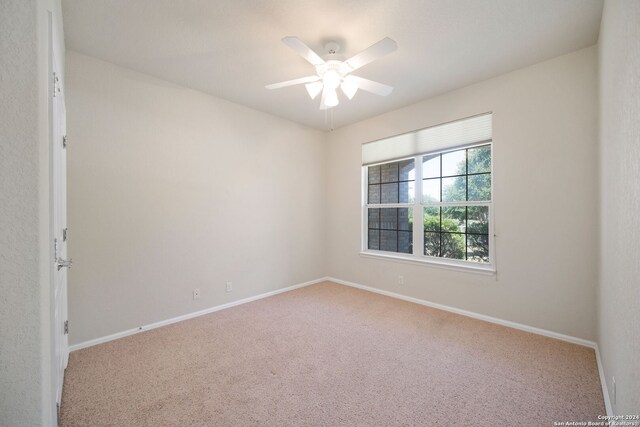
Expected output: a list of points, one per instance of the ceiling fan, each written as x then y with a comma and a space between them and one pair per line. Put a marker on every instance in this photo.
333, 73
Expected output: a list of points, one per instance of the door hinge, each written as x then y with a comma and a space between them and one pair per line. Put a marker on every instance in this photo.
64, 141
66, 327
58, 261
64, 235
56, 84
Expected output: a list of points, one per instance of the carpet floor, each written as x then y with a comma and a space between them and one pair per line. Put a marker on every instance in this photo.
331, 355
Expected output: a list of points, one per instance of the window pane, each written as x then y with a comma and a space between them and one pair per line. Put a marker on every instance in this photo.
389, 219
394, 182
454, 189
405, 219
389, 172
374, 218
454, 163
374, 194
389, 193
478, 219
407, 192
406, 170
389, 240
374, 241
478, 248
432, 219
447, 232
454, 219
373, 173
431, 190
431, 166
432, 244
453, 245
390, 229
480, 187
480, 159
405, 242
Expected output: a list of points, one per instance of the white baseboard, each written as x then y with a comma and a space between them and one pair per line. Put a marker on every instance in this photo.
155, 325
603, 383
471, 314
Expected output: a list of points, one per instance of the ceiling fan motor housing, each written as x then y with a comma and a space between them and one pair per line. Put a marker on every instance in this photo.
332, 65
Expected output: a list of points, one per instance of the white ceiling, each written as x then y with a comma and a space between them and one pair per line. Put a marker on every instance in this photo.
232, 48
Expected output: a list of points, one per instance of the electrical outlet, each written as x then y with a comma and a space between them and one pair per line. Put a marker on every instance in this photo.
229, 287
196, 293
613, 386
400, 280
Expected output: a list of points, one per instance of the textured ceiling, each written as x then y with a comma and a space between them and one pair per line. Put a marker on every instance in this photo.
232, 48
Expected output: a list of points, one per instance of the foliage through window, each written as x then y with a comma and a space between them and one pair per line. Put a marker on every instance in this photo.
454, 204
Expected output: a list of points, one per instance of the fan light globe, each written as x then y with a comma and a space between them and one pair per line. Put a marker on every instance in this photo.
313, 89
331, 79
349, 87
331, 98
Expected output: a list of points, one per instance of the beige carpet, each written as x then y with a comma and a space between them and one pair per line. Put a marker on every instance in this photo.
330, 355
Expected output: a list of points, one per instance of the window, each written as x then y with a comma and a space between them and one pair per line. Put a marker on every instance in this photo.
449, 189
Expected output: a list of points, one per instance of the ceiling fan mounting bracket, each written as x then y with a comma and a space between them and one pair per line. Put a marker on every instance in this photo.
332, 48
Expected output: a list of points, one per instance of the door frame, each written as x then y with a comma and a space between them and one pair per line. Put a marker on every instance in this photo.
59, 348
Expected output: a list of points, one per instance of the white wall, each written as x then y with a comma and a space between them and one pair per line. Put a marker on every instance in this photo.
546, 192
26, 395
619, 297
20, 334
171, 189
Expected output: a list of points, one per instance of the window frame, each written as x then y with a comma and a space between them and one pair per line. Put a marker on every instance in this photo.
418, 207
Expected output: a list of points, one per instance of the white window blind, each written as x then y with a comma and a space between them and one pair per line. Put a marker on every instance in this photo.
471, 130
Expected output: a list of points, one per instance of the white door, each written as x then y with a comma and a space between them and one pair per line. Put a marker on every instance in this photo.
59, 228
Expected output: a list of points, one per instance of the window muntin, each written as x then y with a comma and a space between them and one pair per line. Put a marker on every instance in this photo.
454, 200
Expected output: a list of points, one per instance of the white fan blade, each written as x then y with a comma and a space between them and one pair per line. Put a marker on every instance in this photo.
371, 86
309, 79
303, 50
370, 54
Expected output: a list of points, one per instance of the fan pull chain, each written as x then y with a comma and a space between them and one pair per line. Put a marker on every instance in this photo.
332, 120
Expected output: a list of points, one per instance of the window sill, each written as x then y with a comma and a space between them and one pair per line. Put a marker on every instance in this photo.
409, 259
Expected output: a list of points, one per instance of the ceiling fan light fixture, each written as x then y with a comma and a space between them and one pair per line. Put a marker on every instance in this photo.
349, 87
333, 73
331, 79
314, 89
331, 98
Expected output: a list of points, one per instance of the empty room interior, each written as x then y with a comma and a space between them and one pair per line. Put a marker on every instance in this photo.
319, 213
